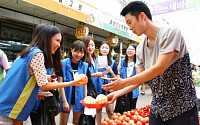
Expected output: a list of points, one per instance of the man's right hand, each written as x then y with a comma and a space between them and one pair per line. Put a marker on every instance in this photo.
113, 96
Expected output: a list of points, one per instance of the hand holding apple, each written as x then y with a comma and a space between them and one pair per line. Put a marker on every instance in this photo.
81, 79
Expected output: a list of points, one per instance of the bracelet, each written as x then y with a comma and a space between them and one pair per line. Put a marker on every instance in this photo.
112, 73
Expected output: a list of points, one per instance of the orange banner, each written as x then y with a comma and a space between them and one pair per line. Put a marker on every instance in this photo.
60, 8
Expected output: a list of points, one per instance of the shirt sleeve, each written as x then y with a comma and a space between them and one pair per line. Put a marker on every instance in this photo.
4, 62
171, 40
38, 67
140, 55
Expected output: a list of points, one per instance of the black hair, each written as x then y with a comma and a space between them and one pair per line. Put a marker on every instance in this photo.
125, 64
42, 39
86, 41
135, 8
109, 54
77, 45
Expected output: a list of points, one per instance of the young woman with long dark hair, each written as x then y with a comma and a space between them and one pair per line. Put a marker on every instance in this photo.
105, 50
93, 66
71, 96
19, 88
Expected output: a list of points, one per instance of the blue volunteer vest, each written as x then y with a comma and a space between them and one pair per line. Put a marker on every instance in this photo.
93, 69
18, 91
123, 76
67, 77
101, 81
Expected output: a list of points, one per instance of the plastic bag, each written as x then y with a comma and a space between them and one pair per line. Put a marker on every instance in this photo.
46, 117
122, 104
91, 90
86, 120
104, 91
53, 103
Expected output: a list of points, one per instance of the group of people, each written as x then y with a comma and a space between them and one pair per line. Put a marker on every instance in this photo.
44, 53
161, 59
82, 60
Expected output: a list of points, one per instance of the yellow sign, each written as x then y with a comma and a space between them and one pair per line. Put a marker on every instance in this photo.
81, 31
112, 40
61, 9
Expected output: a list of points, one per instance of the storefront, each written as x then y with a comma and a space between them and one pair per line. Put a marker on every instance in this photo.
19, 18
14, 38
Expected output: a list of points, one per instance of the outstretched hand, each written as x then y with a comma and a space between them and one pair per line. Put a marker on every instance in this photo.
80, 80
109, 69
117, 84
101, 74
112, 97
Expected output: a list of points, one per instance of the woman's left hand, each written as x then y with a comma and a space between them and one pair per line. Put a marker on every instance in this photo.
49, 78
101, 74
109, 69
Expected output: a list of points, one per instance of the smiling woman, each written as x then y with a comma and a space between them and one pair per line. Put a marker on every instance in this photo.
55, 41
73, 67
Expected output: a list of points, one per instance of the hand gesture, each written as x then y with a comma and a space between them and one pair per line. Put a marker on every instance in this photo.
117, 84
65, 106
109, 69
112, 97
80, 80
49, 78
101, 74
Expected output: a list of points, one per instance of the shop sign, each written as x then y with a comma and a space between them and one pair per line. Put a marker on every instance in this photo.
113, 25
118, 25
112, 40
76, 9
81, 31
173, 5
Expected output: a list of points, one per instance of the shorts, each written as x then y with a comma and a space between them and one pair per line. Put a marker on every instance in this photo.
4, 120
187, 118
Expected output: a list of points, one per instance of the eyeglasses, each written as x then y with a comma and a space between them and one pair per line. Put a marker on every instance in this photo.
130, 49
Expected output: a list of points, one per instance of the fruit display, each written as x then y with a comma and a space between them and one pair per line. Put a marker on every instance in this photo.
99, 102
133, 117
101, 98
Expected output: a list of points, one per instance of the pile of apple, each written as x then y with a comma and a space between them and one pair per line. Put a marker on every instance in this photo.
133, 117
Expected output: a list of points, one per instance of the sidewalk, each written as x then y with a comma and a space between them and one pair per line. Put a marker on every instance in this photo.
142, 101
